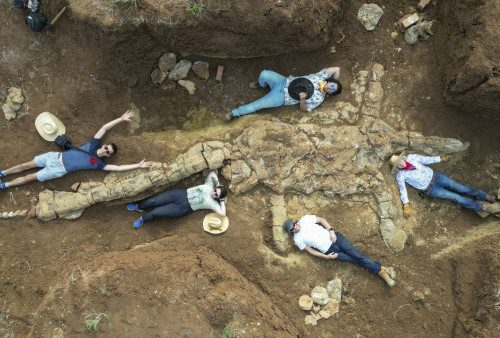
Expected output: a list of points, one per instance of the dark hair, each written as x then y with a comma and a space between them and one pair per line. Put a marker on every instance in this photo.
223, 192
339, 87
114, 147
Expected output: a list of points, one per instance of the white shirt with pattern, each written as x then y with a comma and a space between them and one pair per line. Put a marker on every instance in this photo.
312, 234
199, 197
419, 178
317, 98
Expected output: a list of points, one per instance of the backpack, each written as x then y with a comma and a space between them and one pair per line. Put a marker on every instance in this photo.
63, 141
20, 4
36, 21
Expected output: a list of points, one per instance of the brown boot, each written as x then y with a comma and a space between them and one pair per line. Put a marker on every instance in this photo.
391, 272
492, 208
491, 198
385, 276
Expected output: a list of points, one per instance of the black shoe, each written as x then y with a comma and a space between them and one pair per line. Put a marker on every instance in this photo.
228, 116
254, 85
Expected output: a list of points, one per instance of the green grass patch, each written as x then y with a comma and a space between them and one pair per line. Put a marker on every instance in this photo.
228, 331
93, 319
196, 8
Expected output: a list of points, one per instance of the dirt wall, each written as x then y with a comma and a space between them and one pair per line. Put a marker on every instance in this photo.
470, 55
224, 28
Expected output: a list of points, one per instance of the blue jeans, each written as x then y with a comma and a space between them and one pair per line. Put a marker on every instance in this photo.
172, 203
275, 98
349, 253
445, 188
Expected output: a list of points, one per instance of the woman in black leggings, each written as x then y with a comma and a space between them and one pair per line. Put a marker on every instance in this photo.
181, 202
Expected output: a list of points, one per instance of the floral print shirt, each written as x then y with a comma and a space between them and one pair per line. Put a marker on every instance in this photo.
317, 98
199, 197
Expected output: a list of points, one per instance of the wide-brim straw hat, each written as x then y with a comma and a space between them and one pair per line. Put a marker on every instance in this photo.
215, 224
395, 160
49, 126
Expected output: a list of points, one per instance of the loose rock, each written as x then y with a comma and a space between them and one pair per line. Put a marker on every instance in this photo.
305, 302
189, 85
220, 71
418, 297
158, 76
167, 62
319, 295
411, 34
200, 68
13, 103
407, 21
369, 15
181, 70
309, 320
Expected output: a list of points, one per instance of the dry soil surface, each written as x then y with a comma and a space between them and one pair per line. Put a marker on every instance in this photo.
172, 279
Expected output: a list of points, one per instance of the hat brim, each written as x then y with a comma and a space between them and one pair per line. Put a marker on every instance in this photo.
289, 231
214, 231
300, 85
394, 166
59, 125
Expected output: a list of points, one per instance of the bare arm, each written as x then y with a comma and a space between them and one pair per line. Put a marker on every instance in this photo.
125, 117
316, 253
303, 106
334, 72
222, 211
212, 177
125, 167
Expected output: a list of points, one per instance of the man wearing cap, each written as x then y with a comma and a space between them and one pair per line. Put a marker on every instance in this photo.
57, 164
309, 91
413, 169
314, 235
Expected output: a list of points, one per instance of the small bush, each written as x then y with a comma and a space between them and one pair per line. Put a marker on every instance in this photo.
195, 8
228, 330
93, 319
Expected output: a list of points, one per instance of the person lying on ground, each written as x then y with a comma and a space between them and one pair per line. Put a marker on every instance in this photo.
57, 164
176, 203
413, 169
316, 236
309, 91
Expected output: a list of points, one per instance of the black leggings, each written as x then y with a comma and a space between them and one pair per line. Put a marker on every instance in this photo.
172, 203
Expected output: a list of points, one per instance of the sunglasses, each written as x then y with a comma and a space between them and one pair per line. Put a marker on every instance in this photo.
106, 149
216, 193
332, 89
293, 227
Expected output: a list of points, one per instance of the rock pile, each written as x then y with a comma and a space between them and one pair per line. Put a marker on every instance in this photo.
13, 103
323, 302
414, 28
178, 71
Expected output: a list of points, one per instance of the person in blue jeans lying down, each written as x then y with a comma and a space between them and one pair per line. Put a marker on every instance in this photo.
316, 236
176, 203
413, 169
315, 87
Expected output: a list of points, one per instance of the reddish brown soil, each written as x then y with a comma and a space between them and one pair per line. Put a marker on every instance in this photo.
187, 282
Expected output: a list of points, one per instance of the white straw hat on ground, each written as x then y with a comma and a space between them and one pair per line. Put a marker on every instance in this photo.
395, 160
49, 126
215, 224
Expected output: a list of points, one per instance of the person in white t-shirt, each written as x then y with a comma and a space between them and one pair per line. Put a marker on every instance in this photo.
314, 235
